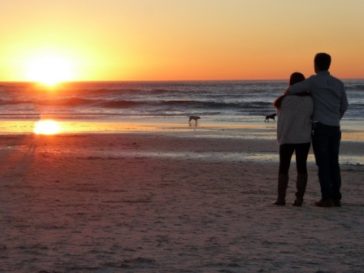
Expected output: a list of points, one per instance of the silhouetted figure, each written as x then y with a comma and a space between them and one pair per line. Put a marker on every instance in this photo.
293, 135
193, 118
330, 104
271, 116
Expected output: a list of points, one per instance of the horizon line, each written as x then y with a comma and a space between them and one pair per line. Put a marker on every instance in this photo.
151, 81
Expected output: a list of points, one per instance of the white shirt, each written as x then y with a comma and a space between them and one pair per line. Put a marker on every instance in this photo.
294, 120
328, 94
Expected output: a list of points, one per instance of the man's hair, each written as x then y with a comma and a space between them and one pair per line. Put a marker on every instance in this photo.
322, 61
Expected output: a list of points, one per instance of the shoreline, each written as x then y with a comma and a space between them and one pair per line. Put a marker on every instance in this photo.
178, 146
352, 130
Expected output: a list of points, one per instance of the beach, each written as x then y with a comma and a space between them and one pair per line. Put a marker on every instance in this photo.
168, 202
141, 136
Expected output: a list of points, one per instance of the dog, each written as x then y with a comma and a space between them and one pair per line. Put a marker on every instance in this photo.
271, 116
195, 118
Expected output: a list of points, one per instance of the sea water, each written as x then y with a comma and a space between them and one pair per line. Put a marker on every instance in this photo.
115, 106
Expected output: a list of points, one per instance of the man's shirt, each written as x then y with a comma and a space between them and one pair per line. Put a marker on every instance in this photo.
328, 94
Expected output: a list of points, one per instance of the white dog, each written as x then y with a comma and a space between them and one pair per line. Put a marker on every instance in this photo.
195, 118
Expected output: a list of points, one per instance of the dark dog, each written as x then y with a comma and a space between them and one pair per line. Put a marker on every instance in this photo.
195, 118
271, 116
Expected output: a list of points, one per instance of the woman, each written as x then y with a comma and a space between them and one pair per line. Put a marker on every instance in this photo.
293, 135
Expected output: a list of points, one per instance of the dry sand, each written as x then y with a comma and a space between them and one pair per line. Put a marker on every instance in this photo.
154, 203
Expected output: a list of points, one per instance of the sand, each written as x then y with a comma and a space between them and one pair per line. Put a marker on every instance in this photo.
168, 203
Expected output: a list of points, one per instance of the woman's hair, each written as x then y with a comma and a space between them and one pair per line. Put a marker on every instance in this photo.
294, 78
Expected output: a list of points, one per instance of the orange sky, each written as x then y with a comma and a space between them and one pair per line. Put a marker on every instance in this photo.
182, 40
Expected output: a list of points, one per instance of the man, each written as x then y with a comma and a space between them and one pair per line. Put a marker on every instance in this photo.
330, 104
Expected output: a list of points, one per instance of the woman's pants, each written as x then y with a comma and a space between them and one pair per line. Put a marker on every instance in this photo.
285, 155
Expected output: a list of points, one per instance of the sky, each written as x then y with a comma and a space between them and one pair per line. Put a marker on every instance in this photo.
180, 39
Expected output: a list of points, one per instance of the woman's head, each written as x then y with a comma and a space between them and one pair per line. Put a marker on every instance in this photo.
296, 77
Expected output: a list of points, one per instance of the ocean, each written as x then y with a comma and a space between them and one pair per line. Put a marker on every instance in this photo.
222, 103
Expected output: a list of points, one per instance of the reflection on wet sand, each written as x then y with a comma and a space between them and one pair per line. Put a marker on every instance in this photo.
351, 131
47, 127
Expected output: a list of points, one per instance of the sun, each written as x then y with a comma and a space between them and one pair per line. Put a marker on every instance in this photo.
46, 127
49, 69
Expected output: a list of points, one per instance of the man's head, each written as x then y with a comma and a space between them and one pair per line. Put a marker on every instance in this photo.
322, 62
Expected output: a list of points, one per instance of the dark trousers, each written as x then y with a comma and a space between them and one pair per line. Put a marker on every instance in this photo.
326, 145
285, 155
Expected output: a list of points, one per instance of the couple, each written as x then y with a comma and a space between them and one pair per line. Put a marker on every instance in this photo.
311, 109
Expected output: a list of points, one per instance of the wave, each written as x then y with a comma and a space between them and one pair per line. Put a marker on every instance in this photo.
161, 91
120, 104
185, 104
68, 102
117, 103
355, 87
51, 102
12, 102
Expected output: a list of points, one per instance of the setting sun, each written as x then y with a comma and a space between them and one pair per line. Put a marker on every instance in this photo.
49, 69
46, 127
